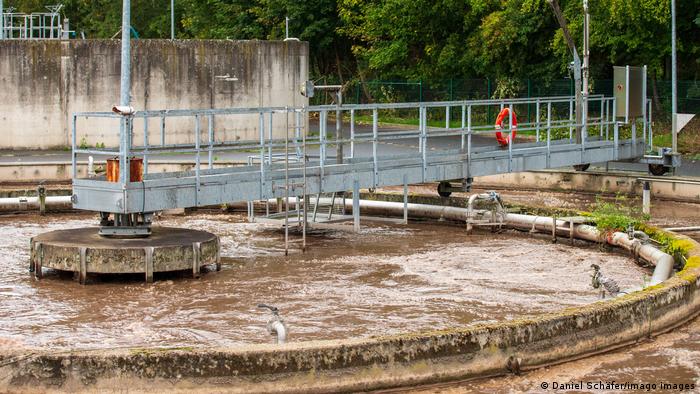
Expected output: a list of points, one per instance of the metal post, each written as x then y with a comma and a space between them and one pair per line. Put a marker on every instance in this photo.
269, 147
305, 197
424, 142
586, 51
420, 128
608, 104
627, 95
616, 131
125, 86
262, 157
91, 166
2, 21
469, 141
145, 145
537, 120
584, 129
297, 132
674, 80
286, 27
447, 117
339, 128
646, 198
375, 137
571, 119
464, 125
644, 107
74, 143
172, 19
352, 133
162, 130
356, 205
197, 132
125, 90
286, 183
602, 117
549, 133
405, 199
322, 140
510, 138
210, 157
651, 128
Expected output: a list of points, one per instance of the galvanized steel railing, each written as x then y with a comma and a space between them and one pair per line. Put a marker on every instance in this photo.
262, 152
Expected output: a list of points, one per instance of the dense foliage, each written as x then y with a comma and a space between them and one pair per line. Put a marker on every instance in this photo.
412, 39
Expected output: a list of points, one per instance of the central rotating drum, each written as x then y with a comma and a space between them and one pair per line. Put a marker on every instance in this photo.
85, 252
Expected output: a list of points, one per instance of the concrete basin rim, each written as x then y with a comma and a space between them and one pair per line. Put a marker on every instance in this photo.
677, 281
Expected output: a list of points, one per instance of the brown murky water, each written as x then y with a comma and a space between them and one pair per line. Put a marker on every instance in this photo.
388, 279
672, 358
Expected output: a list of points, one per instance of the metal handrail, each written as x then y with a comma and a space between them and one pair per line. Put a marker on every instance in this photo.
266, 146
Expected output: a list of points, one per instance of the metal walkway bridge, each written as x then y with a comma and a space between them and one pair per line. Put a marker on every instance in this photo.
447, 141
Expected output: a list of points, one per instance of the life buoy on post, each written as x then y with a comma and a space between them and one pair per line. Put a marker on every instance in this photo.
503, 115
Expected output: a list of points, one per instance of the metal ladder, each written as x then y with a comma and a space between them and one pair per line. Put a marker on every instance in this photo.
322, 210
300, 204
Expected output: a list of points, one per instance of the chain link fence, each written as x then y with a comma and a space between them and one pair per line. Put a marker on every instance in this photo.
357, 92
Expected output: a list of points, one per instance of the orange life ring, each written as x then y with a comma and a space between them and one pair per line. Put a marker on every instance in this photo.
504, 141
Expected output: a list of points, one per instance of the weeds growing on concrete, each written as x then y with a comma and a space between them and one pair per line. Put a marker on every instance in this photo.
617, 215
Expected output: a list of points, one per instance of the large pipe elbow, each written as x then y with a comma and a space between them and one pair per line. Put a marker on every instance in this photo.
278, 329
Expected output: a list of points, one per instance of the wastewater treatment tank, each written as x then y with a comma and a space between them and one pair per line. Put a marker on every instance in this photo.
388, 279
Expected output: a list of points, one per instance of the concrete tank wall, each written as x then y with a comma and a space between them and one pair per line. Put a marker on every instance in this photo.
42, 83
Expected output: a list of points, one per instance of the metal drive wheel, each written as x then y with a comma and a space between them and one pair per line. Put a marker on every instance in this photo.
443, 189
657, 169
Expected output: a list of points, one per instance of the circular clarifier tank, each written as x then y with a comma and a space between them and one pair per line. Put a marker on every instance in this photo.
388, 279
85, 252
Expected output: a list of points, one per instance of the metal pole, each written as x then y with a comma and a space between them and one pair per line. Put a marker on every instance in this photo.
549, 133
586, 51
126, 54
304, 196
2, 21
464, 127
339, 128
286, 27
674, 81
172, 19
286, 185
646, 198
405, 199
352, 133
510, 138
125, 87
375, 137
356, 205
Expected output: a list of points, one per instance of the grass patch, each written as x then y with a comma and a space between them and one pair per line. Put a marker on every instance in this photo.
617, 215
688, 138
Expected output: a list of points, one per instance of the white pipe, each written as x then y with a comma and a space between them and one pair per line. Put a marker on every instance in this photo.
277, 328
682, 229
663, 262
25, 203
